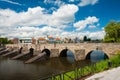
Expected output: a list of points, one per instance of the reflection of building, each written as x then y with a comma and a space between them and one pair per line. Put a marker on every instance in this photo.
41, 40
25, 40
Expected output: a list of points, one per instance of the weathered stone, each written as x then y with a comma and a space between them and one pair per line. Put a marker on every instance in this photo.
80, 54
54, 53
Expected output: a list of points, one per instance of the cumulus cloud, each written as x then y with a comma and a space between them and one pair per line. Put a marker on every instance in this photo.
36, 21
89, 21
36, 16
64, 15
87, 2
97, 35
33, 17
35, 31
92, 35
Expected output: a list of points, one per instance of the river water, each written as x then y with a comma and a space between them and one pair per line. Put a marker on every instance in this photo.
18, 70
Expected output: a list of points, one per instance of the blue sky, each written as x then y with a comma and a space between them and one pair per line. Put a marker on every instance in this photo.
59, 18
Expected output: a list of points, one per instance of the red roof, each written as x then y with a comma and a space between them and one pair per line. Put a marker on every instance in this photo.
58, 39
50, 37
41, 38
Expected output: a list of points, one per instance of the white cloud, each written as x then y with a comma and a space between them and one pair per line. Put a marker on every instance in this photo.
92, 26
33, 17
89, 21
87, 2
11, 2
64, 15
55, 2
25, 24
92, 35
97, 35
71, 0
36, 16
28, 32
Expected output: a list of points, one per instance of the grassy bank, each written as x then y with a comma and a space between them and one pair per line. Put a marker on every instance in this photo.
87, 70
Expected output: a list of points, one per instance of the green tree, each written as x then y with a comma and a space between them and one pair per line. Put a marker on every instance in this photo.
112, 32
85, 38
4, 41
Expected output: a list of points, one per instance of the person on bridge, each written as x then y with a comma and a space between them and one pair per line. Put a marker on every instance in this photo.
20, 51
31, 51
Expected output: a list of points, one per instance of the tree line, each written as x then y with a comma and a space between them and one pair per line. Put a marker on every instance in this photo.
112, 30
4, 41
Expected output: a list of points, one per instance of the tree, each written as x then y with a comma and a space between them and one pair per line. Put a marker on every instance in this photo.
4, 41
85, 38
112, 32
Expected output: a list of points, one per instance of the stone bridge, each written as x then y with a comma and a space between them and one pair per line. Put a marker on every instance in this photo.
80, 50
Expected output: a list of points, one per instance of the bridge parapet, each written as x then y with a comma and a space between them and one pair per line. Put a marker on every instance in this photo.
79, 49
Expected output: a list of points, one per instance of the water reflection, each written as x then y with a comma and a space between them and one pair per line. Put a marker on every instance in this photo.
67, 55
17, 70
70, 56
97, 55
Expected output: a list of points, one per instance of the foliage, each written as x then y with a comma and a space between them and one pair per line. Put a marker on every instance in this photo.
4, 41
86, 39
112, 32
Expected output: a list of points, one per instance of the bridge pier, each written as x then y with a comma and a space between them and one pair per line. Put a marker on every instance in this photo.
54, 53
79, 54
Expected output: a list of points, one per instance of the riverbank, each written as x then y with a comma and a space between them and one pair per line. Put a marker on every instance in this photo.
112, 74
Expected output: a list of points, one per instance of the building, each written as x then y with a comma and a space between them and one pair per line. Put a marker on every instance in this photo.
41, 40
26, 40
50, 39
58, 40
15, 41
34, 41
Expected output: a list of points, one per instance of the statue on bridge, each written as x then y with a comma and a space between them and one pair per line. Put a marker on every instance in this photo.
31, 51
20, 51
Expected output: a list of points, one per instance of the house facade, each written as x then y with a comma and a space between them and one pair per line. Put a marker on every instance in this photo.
41, 40
25, 40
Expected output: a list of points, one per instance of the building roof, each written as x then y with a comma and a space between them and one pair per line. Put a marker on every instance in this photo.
41, 38
58, 39
50, 37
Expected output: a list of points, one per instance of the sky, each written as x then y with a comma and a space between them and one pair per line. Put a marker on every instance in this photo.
58, 18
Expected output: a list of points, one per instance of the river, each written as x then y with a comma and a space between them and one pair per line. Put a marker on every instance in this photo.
18, 70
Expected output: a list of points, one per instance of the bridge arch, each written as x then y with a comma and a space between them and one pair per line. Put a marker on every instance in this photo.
93, 52
67, 55
88, 54
47, 51
64, 53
